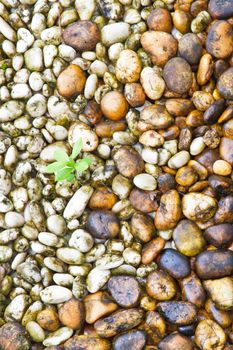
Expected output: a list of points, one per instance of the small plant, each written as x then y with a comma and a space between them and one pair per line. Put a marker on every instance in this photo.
65, 167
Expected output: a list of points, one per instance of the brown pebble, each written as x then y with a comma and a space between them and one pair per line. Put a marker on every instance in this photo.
221, 292
192, 290
160, 286
179, 106
169, 211
195, 118
154, 117
212, 139
209, 335
14, 337
114, 105
142, 227
228, 129
212, 114
178, 312
71, 81
161, 46
221, 185
182, 21
71, 314
205, 69
190, 48
103, 224
160, 20
87, 342
144, 201
166, 182
125, 290
186, 176
98, 305
102, 198
119, 321
224, 212
219, 42
188, 238
176, 341
207, 159
108, 127
220, 9
225, 84
226, 150
134, 94
178, 75
48, 319
93, 112
175, 263
219, 235
151, 250
82, 35
131, 340
223, 318
128, 162
214, 264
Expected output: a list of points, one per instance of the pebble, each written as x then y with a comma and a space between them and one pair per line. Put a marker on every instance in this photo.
179, 159
13, 332
128, 162
178, 312
169, 211
88, 342
125, 290
77, 204
34, 59
58, 337
177, 74
48, 320
154, 117
220, 48
220, 9
175, 263
198, 206
214, 264
115, 33
128, 67
71, 314
160, 285
224, 84
188, 238
71, 81
103, 224
221, 292
219, 235
171, 341
133, 339
209, 335
152, 82
98, 305
161, 46
145, 182
96, 279
114, 105
35, 331
89, 138
55, 295
121, 320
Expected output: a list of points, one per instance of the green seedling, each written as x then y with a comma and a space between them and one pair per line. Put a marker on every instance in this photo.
65, 167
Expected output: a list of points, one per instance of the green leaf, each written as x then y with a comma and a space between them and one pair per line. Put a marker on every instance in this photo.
63, 174
61, 156
81, 165
88, 160
54, 167
70, 178
4, 67
77, 148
